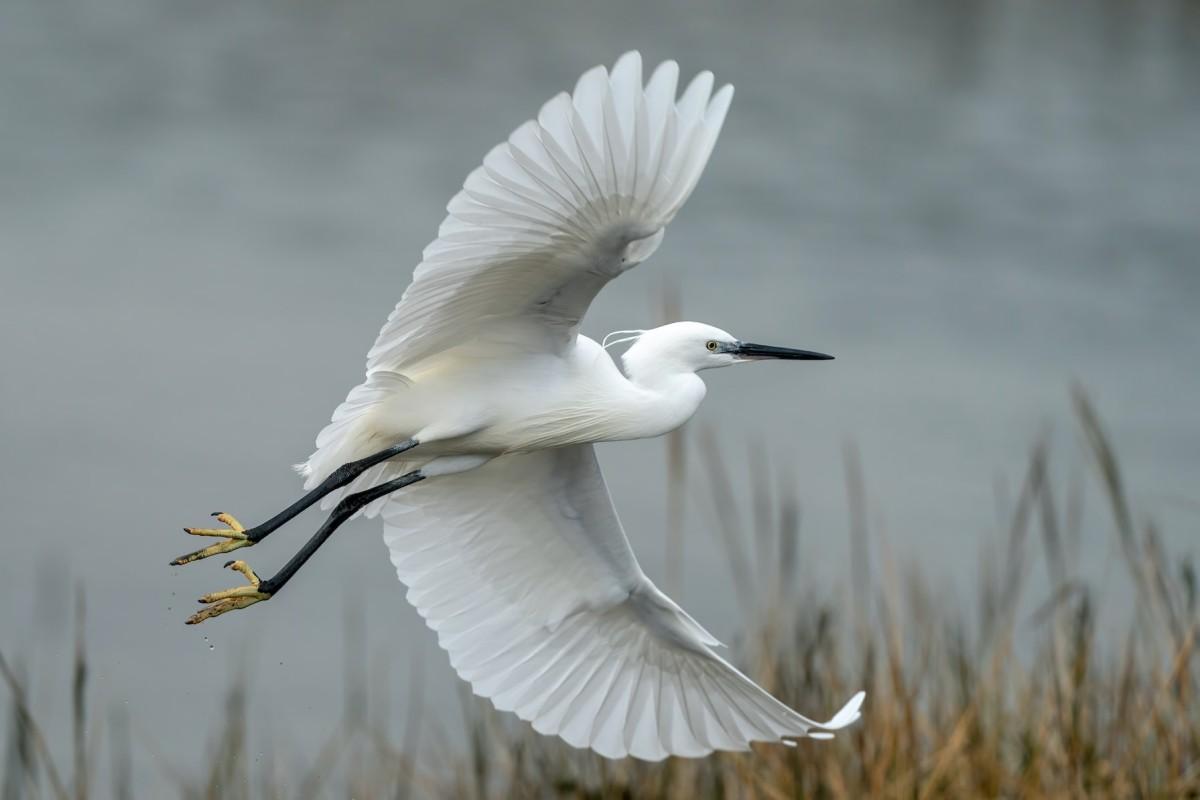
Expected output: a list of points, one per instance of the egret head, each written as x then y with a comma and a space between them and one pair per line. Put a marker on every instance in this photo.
693, 346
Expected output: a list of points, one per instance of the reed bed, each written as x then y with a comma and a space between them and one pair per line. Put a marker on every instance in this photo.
1023, 693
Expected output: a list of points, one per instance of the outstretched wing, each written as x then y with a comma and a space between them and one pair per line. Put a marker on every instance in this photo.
523, 570
570, 201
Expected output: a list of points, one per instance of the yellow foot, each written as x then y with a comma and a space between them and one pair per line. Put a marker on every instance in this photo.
231, 599
234, 535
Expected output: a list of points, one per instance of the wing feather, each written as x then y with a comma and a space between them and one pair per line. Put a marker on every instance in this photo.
571, 200
558, 202
524, 572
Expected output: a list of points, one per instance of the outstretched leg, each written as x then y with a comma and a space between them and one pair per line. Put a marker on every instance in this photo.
259, 590
237, 537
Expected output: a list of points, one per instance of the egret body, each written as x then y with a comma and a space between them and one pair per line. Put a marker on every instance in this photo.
472, 434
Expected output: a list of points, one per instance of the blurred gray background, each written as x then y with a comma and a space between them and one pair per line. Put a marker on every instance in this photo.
208, 209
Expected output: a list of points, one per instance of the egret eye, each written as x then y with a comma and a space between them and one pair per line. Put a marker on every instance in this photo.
712, 346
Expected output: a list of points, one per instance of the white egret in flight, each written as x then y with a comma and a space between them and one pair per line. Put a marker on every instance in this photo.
481, 390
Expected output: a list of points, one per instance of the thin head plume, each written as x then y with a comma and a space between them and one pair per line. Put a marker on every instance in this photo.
620, 337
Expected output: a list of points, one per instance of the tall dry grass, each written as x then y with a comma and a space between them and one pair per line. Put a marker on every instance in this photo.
1021, 696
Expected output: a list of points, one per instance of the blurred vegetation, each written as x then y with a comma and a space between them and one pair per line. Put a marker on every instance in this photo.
1017, 696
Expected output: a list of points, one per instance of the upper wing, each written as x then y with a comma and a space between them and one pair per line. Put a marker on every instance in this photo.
522, 568
570, 201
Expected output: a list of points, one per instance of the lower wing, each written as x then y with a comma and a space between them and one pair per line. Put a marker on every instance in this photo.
523, 570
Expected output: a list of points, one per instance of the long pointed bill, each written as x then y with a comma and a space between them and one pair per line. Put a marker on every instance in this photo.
749, 350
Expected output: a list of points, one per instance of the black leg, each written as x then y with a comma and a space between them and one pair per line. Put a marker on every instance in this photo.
238, 537
340, 477
222, 602
344, 511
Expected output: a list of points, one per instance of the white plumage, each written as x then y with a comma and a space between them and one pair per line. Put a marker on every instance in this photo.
512, 551
533, 590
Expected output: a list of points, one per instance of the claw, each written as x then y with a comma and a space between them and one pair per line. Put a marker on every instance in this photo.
234, 534
233, 529
227, 600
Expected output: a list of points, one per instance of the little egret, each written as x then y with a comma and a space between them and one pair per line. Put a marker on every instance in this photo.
481, 390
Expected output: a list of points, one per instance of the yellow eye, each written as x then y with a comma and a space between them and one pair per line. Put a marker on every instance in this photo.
712, 346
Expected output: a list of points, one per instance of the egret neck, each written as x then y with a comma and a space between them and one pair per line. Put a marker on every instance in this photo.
668, 390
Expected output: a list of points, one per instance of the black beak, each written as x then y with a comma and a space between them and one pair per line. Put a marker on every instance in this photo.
751, 350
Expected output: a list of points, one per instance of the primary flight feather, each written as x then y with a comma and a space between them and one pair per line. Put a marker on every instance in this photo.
472, 434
